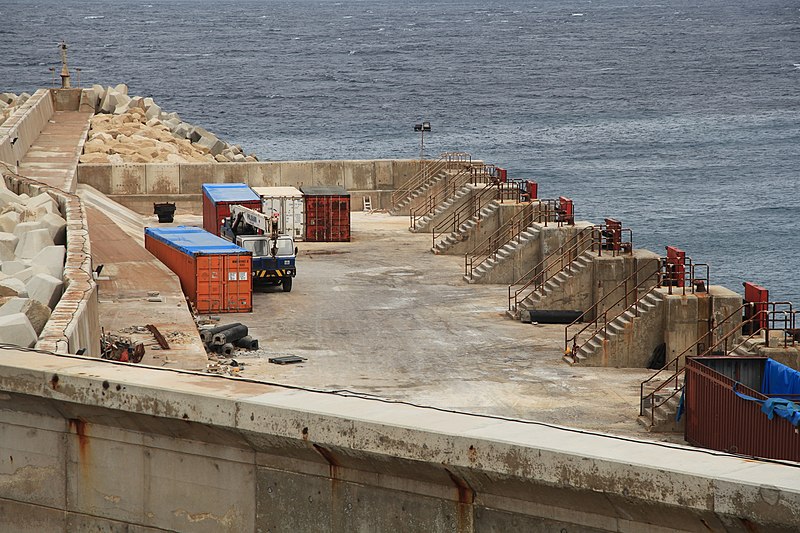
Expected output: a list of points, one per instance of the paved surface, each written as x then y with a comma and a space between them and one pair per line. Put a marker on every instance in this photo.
53, 158
384, 316
130, 274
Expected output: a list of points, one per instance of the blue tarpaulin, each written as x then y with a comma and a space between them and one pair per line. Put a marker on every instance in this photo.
780, 380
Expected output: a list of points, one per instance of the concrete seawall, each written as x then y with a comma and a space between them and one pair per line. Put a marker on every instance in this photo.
205, 453
137, 186
18, 133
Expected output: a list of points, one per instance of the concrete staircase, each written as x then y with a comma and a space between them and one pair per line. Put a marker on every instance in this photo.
504, 253
538, 299
664, 415
419, 191
622, 328
461, 233
422, 223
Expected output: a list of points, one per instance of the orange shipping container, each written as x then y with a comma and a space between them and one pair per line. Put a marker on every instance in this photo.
218, 199
215, 274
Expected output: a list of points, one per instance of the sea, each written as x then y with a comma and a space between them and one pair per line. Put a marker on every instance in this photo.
681, 118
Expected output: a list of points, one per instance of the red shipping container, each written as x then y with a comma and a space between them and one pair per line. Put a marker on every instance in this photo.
218, 199
215, 274
327, 211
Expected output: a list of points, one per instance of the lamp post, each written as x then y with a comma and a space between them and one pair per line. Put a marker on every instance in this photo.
422, 128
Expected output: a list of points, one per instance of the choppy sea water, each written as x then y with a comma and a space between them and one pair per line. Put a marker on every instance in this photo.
681, 118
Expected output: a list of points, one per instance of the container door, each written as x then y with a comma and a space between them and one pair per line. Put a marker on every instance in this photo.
238, 284
210, 283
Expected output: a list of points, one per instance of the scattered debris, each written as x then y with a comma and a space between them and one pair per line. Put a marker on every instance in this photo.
117, 348
162, 342
287, 359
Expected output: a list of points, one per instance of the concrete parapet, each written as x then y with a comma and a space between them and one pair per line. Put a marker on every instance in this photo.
214, 454
21, 129
162, 178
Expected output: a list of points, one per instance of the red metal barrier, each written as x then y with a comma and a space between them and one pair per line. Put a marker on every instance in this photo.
756, 315
676, 267
502, 174
532, 188
612, 234
566, 211
718, 419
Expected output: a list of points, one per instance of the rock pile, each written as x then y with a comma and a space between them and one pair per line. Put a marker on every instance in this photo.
136, 130
9, 102
32, 253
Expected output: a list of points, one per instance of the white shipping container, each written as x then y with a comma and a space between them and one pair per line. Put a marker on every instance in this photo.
288, 202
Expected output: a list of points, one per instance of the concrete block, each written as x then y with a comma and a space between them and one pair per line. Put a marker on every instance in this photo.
51, 260
109, 102
8, 98
296, 173
162, 178
57, 227
38, 314
96, 175
25, 227
26, 274
16, 329
22, 98
198, 133
7, 197
238, 158
183, 130
12, 287
45, 289
42, 204
10, 268
9, 221
211, 143
128, 179
382, 174
194, 175
8, 245
328, 173
171, 123
263, 174
229, 173
359, 175
33, 242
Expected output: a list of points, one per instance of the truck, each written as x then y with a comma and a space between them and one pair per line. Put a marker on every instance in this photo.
274, 255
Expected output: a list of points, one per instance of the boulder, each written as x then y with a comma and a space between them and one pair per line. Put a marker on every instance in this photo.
116, 159
220, 158
12, 287
239, 158
8, 245
16, 329
37, 313
94, 158
153, 122
250, 159
176, 158
33, 242
45, 289
51, 260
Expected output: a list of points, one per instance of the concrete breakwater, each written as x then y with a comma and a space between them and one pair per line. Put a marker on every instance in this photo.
134, 129
9, 103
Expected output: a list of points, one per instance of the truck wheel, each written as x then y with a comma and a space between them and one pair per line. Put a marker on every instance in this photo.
287, 284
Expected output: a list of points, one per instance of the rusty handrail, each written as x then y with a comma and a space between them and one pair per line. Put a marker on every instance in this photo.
592, 311
505, 234
503, 191
577, 245
429, 203
447, 160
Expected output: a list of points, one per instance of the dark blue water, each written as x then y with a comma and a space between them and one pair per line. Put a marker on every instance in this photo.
680, 118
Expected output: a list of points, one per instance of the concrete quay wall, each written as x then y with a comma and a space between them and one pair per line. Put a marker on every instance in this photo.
91, 444
19, 132
137, 186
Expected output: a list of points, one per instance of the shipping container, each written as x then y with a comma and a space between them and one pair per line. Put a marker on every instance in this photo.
218, 199
288, 202
215, 274
327, 211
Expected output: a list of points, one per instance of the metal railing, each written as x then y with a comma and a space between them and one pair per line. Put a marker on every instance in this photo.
630, 286
428, 204
588, 238
509, 231
483, 197
429, 169
734, 332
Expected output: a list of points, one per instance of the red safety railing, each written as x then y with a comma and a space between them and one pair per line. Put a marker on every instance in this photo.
430, 169
509, 231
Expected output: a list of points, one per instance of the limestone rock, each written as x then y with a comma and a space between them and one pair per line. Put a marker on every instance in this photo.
45, 289
37, 313
16, 329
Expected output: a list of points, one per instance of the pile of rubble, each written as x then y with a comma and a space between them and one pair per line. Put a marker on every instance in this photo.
9, 102
32, 253
135, 130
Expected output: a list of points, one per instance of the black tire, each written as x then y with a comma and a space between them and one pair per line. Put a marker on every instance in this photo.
287, 284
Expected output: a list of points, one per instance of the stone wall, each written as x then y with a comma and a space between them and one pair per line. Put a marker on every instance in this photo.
137, 186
